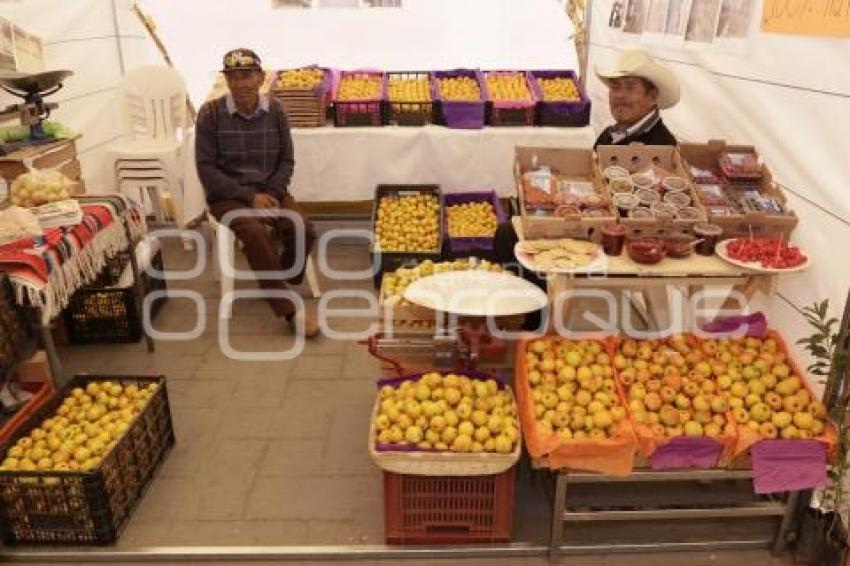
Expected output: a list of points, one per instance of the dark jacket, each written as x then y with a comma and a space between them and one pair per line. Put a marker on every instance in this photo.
238, 157
657, 135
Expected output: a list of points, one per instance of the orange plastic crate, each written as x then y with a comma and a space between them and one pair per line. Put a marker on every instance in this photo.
448, 509
33, 376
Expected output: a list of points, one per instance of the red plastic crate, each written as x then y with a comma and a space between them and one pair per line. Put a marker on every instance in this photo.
448, 509
33, 376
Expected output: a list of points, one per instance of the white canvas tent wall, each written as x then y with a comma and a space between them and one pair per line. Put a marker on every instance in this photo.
98, 40
790, 97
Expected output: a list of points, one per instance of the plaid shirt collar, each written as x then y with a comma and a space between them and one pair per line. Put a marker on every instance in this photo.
262, 107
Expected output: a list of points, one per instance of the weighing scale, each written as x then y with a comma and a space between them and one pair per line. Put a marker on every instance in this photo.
32, 88
463, 302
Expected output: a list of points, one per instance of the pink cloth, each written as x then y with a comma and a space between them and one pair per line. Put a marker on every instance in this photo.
788, 465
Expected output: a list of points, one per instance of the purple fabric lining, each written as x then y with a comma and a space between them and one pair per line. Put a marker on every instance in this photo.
560, 113
788, 465
687, 452
474, 242
463, 115
756, 325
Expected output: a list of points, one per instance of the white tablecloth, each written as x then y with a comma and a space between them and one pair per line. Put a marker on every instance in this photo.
345, 164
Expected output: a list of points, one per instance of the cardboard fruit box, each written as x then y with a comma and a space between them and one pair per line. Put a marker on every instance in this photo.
707, 156
566, 164
638, 157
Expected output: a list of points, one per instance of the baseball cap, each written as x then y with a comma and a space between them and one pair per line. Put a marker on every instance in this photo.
241, 59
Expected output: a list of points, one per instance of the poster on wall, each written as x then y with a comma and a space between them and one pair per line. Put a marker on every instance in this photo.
292, 3
635, 16
7, 46
702, 21
813, 17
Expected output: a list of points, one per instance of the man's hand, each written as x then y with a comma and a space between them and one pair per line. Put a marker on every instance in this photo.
263, 200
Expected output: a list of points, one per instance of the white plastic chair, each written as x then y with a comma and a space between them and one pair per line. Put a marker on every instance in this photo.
154, 101
224, 237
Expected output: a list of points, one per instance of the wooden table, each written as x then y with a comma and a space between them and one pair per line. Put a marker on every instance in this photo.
689, 276
60, 155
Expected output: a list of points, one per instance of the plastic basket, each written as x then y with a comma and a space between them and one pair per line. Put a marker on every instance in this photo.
407, 113
365, 112
479, 245
87, 507
392, 260
448, 509
511, 112
108, 315
566, 113
461, 114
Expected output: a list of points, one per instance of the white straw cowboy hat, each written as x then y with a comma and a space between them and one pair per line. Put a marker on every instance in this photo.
639, 63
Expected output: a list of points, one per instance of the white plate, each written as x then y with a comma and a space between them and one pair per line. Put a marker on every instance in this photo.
476, 293
723, 252
599, 263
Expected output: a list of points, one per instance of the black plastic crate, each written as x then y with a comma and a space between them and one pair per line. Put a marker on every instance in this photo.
17, 329
109, 315
406, 113
392, 260
75, 507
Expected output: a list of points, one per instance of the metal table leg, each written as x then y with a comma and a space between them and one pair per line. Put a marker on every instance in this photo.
138, 291
53, 360
558, 507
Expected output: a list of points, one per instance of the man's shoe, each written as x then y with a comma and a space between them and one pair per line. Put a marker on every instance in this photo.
301, 321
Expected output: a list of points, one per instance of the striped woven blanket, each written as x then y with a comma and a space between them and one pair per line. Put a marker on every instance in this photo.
46, 273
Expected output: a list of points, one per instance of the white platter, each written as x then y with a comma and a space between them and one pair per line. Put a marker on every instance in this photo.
723, 252
476, 293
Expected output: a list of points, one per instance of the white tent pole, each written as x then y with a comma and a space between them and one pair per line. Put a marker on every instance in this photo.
118, 38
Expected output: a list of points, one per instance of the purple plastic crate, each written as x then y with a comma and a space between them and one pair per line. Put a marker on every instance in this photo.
463, 115
474, 243
560, 113
364, 112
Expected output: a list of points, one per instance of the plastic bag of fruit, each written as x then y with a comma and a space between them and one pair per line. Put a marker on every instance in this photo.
786, 408
678, 409
570, 406
39, 186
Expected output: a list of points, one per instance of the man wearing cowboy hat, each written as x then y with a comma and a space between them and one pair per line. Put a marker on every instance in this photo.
638, 87
245, 160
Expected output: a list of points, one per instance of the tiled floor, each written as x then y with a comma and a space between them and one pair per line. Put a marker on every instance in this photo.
274, 453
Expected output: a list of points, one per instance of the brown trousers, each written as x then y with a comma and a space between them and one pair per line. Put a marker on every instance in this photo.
260, 244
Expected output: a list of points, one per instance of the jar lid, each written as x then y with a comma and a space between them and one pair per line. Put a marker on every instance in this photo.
706, 229
614, 230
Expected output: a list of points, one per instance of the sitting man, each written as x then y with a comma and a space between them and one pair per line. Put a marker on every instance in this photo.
245, 161
638, 87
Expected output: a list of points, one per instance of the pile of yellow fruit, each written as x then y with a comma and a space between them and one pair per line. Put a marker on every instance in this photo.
507, 86
363, 87
573, 388
671, 388
85, 427
448, 412
559, 89
397, 282
460, 89
409, 90
408, 223
300, 78
471, 219
763, 391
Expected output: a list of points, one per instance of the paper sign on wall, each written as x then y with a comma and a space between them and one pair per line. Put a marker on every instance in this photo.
807, 17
